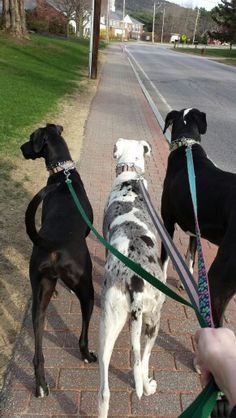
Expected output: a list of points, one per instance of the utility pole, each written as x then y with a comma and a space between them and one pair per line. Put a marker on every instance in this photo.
155, 7
195, 27
108, 20
153, 22
123, 26
94, 38
163, 23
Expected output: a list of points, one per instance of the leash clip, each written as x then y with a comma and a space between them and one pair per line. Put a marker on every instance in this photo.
67, 175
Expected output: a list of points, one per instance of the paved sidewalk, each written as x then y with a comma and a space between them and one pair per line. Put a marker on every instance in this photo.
119, 109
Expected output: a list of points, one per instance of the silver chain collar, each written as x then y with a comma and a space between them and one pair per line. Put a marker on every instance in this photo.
181, 142
61, 166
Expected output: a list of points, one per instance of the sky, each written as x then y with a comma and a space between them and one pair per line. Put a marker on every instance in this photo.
207, 4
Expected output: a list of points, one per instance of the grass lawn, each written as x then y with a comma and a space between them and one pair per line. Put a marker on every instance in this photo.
226, 56
34, 75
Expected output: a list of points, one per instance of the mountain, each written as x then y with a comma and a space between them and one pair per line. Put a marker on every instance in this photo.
147, 5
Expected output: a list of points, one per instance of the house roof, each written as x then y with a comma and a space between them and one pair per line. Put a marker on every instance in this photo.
118, 16
135, 21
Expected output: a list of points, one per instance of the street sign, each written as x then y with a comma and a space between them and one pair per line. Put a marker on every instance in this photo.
183, 37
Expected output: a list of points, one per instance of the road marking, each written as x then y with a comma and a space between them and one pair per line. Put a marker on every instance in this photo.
148, 96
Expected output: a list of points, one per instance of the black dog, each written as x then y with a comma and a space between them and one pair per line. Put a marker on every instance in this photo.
216, 200
60, 250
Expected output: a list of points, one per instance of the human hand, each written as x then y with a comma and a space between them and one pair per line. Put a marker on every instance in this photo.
216, 355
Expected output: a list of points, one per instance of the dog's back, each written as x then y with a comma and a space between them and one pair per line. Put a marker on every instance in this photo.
128, 227
59, 211
216, 192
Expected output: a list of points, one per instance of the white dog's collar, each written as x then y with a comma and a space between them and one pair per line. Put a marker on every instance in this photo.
180, 142
120, 168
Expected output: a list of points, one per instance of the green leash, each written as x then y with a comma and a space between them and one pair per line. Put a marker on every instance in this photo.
205, 402
154, 281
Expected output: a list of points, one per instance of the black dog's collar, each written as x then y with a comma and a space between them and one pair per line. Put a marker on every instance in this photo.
60, 166
181, 142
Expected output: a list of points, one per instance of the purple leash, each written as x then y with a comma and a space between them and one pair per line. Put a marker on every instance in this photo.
203, 283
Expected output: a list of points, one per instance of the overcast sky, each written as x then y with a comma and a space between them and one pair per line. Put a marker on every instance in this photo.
207, 4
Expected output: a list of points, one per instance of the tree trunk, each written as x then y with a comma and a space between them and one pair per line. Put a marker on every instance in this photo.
79, 21
81, 26
68, 28
6, 15
14, 17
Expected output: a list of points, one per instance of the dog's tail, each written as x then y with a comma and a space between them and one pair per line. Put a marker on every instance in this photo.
30, 218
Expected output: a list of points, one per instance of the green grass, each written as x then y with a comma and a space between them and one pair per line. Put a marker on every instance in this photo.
226, 56
34, 75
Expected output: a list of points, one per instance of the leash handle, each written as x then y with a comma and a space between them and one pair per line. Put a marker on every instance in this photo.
203, 283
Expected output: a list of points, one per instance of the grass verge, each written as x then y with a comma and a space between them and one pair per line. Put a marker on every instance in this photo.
34, 75
226, 56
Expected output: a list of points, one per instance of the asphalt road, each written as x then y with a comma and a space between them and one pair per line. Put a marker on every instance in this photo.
191, 81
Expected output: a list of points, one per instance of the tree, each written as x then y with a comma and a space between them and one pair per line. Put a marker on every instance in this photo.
205, 25
82, 7
13, 17
144, 17
67, 7
76, 10
225, 17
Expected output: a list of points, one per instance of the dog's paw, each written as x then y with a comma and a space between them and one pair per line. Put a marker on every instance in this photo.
90, 357
41, 391
150, 387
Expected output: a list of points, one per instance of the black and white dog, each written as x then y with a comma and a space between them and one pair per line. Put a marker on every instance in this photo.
216, 201
60, 250
128, 227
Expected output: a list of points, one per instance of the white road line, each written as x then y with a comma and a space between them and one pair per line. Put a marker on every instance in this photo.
148, 97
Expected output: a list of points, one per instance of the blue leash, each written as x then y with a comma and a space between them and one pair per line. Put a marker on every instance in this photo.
203, 283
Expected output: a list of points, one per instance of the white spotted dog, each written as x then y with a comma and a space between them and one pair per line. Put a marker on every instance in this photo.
128, 227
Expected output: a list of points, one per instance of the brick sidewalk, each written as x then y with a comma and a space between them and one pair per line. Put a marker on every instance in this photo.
119, 109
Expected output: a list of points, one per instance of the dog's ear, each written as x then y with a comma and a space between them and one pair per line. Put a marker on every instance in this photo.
146, 148
38, 139
59, 129
117, 150
200, 119
170, 119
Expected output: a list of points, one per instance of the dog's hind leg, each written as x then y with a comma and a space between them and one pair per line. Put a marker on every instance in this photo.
136, 329
222, 281
112, 320
151, 331
42, 289
191, 253
170, 226
85, 294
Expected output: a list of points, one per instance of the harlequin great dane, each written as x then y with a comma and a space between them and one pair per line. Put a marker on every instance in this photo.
60, 250
128, 227
216, 201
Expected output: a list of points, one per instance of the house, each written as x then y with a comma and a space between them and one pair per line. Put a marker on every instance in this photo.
129, 28
134, 27
47, 11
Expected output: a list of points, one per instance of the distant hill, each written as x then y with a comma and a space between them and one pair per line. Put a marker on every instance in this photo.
147, 5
